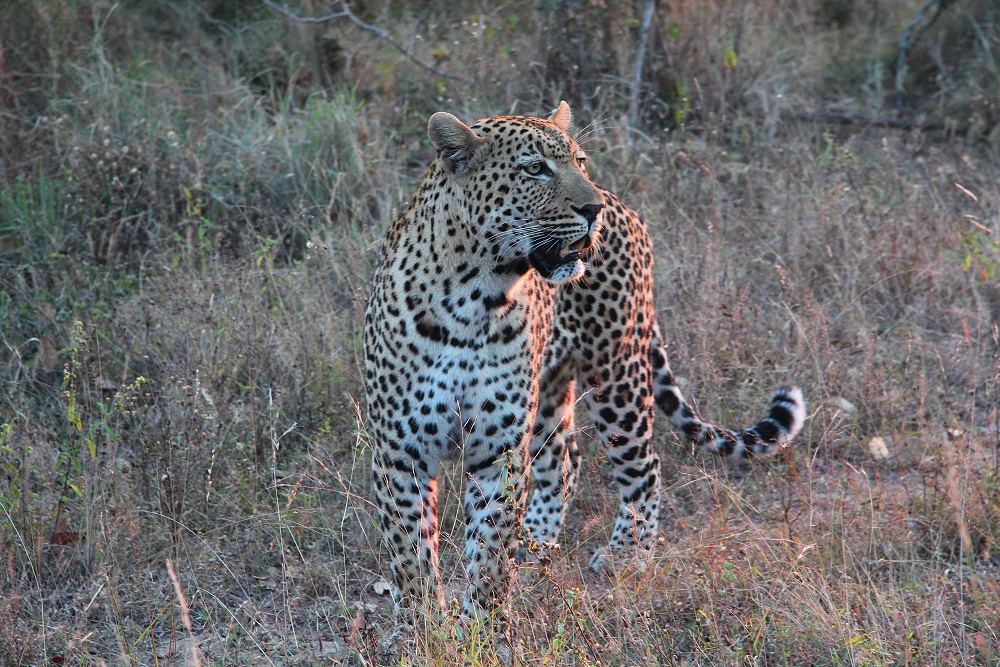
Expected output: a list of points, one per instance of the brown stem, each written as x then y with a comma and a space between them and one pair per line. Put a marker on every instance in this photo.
379, 32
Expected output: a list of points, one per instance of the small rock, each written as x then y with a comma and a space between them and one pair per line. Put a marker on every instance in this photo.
878, 448
381, 587
842, 404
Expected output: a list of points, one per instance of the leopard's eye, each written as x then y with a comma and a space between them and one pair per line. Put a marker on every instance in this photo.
537, 169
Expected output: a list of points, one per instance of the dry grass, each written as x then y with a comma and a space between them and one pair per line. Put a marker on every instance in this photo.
191, 198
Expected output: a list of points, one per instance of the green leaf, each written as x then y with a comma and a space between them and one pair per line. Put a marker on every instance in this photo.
730, 60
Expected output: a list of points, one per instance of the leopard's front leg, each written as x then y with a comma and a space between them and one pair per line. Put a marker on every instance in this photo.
496, 467
405, 475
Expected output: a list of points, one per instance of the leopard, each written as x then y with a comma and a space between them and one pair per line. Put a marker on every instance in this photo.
508, 284
607, 345
459, 314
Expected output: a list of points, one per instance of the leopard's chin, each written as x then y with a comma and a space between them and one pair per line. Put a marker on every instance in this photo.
558, 268
552, 263
559, 261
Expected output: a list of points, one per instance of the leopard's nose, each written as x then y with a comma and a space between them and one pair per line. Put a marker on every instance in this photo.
589, 211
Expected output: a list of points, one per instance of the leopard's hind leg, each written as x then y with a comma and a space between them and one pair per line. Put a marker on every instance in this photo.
622, 408
555, 455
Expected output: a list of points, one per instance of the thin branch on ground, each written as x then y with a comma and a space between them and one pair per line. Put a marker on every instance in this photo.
384, 35
873, 121
905, 123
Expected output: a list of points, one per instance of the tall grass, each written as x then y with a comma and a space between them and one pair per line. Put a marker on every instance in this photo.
191, 200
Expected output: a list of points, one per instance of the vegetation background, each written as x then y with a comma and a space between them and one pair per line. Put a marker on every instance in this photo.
191, 200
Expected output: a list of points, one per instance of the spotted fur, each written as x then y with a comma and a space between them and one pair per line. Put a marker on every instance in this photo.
459, 314
606, 340
477, 328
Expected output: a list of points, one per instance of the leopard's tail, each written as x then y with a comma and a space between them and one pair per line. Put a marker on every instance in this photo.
783, 421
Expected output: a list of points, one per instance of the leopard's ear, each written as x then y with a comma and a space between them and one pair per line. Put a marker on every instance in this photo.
455, 143
562, 116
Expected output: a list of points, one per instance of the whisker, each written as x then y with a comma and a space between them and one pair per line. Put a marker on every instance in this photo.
583, 140
524, 235
583, 130
598, 124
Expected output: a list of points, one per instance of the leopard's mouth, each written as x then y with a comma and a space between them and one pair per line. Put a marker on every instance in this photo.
549, 257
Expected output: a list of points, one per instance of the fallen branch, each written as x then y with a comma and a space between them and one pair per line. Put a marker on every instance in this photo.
872, 121
924, 124
346, 12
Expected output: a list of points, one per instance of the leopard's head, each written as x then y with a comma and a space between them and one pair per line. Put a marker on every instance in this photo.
524, 188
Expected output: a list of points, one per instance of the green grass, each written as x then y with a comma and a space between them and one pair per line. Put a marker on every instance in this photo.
191, 201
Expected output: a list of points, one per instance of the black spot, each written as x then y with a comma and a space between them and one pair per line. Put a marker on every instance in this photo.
492, 302
668, 402
781, 415
435, 332
509, 333
477, 467
628, 421
766, 430
518, 267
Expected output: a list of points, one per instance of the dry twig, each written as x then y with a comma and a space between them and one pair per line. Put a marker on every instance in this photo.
346, 12
185, 615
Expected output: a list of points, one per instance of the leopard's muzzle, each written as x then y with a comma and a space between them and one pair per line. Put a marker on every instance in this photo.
549, 256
